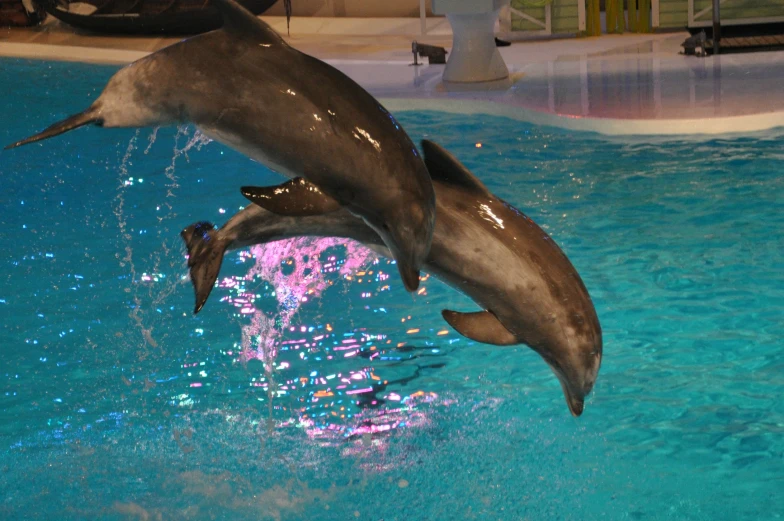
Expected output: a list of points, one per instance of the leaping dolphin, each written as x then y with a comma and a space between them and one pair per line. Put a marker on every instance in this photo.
529, 291
244, 86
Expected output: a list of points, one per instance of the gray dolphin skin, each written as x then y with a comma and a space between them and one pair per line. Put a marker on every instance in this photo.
244, 86
529, 291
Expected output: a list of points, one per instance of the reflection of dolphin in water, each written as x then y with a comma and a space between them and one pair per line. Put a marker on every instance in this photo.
244, 86
481, 246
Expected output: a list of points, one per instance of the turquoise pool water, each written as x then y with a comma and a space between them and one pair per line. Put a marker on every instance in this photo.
117, 403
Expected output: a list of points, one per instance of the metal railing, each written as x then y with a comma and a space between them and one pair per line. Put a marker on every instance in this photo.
703, 16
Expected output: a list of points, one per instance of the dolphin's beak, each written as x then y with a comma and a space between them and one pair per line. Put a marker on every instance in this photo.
77, 120
576, 403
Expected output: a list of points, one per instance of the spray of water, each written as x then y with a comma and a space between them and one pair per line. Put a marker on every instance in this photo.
155, 294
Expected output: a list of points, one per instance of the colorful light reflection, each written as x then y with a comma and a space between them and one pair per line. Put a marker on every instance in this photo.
313, 384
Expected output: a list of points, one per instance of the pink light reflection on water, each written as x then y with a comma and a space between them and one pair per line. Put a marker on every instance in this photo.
366, 438
299, 277
260, 338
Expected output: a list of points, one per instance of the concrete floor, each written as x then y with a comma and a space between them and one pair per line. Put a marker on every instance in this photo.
618, 84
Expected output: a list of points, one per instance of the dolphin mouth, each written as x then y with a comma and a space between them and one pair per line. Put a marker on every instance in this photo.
575, 403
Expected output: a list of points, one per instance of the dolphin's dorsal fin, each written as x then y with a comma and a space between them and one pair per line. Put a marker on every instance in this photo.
445, 167
238, 20
296, 198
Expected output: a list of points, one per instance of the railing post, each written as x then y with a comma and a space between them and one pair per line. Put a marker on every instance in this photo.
716, 26
548, 19
655, 14
422, 17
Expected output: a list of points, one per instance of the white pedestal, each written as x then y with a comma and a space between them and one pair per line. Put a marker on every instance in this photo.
474, 56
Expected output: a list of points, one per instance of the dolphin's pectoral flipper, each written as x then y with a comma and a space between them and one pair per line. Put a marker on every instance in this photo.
482, 326
205, 256
77, 120
295, 198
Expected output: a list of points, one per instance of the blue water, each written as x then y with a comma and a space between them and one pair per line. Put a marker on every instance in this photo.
117, 403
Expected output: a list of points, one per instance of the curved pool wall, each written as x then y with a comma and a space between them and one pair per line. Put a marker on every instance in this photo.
117, 403
688, 128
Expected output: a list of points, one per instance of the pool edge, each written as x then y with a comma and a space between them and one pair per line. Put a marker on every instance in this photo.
606, 126
479, 103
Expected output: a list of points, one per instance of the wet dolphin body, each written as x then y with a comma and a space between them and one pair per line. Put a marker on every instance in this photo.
244, 86
481, 246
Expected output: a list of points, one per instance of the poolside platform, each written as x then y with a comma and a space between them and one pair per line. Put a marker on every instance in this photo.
614, 84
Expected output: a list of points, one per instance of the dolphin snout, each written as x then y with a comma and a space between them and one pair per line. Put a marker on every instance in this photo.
575, 401
408, 233
576, 405
575, 388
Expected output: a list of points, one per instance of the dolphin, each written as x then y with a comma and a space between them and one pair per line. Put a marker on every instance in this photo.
244, 86
529, 291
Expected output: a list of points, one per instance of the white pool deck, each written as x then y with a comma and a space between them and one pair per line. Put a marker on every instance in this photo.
620, 84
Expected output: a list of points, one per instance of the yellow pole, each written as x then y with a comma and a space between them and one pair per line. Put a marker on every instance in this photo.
615, 18
640, 16
593, 25
645, 16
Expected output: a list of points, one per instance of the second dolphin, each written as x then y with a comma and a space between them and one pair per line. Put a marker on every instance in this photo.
529, 291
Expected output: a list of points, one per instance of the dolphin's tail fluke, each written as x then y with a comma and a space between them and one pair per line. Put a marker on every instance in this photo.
77, 120
205, 256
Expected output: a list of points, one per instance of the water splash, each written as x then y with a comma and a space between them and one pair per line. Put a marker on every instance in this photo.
158, 286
